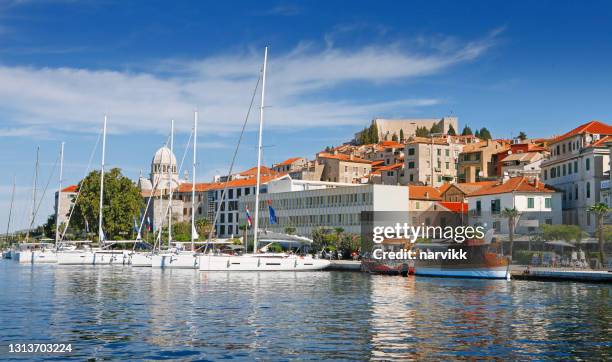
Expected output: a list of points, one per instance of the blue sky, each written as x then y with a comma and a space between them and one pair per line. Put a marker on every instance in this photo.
539, 67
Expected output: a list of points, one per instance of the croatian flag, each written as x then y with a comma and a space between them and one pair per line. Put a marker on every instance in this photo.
249, 219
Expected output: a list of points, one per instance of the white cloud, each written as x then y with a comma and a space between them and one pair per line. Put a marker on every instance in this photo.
34, 100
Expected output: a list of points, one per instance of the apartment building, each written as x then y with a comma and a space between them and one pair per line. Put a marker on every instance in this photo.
476, 161
536, 202
389, 152
522, 158
578, 164
459, 192
431, 161
343, 168
332, 206
290, 165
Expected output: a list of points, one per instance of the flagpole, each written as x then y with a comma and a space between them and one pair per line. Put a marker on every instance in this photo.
261, 119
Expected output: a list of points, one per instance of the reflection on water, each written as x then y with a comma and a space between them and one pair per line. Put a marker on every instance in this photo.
127, 313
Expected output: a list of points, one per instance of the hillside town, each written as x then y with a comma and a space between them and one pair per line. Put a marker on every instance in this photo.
400, 165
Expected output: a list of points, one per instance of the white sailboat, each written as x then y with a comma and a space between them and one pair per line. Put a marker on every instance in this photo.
6, 254
259, 261
178, 258
80, 253
34, 252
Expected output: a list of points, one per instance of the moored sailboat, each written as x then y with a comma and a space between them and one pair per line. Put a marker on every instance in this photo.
259, 261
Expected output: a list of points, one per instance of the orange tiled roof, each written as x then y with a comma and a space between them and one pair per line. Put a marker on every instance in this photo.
590, 127
461, 207
288, 161
515, 184
601, 142
71, 188
444, 187
390, 167
245, 182
423, 193
343, 157
264, 171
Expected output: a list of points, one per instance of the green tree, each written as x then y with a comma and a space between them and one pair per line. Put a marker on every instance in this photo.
600, 210
402, 138
477, 134
374, 133
485, 134
49, 227
511, 215
422, 132
522, 136
181, 231
437, 128
467, 131
451, 130
203, 227
394, 137
122, 203
569, 233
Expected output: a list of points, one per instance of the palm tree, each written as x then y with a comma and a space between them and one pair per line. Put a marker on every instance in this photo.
511, 214
600, 210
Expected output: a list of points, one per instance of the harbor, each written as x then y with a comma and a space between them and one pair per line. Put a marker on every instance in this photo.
128, 313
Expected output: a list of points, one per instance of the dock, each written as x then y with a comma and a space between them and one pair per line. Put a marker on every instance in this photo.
560, 274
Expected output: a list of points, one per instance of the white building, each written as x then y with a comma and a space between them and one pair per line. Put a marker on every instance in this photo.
536, 202
577, 165
308, 205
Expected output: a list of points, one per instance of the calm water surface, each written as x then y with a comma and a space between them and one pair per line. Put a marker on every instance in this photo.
138, 313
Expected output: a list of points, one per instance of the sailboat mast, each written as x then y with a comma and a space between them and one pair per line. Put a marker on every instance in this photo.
33, 195
170, 174
261, 119
10, 215
59, 195
193, 179
100, 232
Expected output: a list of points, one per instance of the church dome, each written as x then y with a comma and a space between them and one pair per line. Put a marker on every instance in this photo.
164, 156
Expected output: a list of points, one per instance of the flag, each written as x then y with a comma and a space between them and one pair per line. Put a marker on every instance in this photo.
249, 219
194, 232
273, 219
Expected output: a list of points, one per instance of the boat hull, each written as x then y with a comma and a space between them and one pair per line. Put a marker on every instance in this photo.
141, 259
384, 267
6, 254
36, 257
175, 261
93, 258
483, 273
254, 263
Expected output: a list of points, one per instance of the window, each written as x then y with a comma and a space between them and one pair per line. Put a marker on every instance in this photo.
495, 206
587, 164
410, 164
247, 190
547, 201
447, 152
411, 151
588, 190
575, 166
545, 174
576, 192
447, 165
530, 203
417, 205
439, 152
569, 168
411, 177
564, 170
478, 206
